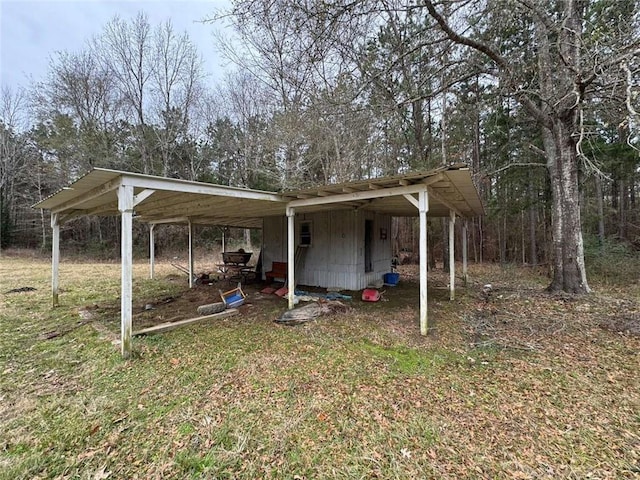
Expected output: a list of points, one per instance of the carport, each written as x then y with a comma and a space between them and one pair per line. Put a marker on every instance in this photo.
444, 192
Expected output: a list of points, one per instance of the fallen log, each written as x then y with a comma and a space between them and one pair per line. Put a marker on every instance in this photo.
211, 308
163, 327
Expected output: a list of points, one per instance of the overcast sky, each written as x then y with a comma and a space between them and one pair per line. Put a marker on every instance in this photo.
31, 31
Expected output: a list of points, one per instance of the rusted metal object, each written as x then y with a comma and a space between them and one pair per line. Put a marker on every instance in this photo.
238, 258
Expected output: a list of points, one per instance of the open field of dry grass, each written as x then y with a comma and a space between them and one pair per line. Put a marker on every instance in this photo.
514, 384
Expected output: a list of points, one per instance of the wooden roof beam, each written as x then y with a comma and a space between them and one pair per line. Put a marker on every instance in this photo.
184, 186
90, 195
356, 196
438, 177
436, 196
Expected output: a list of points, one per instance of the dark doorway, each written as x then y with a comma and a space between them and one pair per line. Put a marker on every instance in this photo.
368, 245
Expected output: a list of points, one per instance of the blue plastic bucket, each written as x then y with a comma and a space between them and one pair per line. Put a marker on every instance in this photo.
391, 278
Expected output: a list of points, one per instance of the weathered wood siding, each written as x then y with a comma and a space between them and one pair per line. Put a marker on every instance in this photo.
336, 255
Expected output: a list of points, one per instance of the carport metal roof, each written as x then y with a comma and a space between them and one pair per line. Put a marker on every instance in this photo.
168, 200
445, 191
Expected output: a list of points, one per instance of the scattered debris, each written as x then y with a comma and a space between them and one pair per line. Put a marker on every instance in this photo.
303, 296
163, 327
486, 293
628, 324
21, 289
203, 278
311, 311
60, 333
85, 313
153, 305
183, 270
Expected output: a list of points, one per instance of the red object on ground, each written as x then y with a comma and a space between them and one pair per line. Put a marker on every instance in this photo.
268, 290
281, 292
370, 295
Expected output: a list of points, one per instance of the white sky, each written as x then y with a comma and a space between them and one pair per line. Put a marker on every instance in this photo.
32, 31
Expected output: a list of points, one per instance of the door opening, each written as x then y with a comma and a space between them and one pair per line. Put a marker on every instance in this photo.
368, 245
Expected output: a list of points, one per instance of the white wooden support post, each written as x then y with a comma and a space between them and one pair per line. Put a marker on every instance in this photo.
452, 257
152, 251
291, 268
423, 208
55, 257
190, 254
125, 205
465, 275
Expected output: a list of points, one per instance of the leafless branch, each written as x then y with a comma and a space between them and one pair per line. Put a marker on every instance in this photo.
516, 164
498, 59
633, 113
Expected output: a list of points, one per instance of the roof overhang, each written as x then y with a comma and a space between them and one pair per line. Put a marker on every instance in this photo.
450, 188
160, 200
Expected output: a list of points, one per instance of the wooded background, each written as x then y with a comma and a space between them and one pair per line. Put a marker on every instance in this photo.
326, 92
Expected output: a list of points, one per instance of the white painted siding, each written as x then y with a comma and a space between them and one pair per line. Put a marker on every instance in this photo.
274, 242
381, 254
336, 255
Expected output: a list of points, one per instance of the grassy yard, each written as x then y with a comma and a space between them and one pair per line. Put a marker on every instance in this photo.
514, 384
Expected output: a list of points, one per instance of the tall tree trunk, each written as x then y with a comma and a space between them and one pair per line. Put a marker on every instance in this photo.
502, 239
523, 243
569, 273
600, 206
622, 204
533, 214
247, 238
481, 239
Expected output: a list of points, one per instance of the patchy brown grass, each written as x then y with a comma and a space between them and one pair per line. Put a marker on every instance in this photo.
512, 382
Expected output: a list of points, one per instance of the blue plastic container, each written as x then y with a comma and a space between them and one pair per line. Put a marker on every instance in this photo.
234, 301
391, 278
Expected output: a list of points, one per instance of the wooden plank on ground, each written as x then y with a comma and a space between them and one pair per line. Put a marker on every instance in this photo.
163, 327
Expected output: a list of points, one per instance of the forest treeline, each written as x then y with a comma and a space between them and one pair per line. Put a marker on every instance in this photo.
539, 98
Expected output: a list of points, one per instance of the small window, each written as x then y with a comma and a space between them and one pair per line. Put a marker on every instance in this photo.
305, 234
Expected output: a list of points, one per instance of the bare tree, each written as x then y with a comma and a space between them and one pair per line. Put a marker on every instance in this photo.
176, 85
14, 154
277, 43
125, 49
80, 87
565, 70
